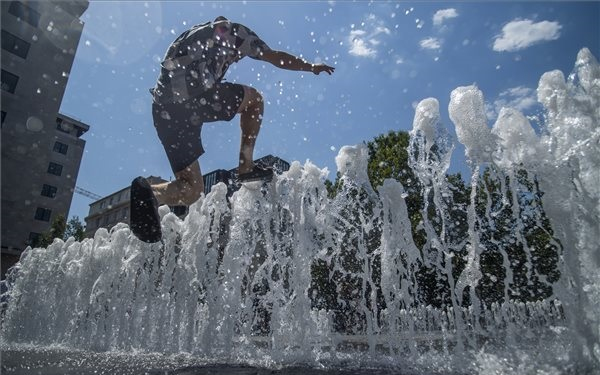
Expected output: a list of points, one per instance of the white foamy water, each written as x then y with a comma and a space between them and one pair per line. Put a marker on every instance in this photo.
290, 276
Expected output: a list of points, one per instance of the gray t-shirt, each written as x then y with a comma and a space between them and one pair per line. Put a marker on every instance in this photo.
200, 57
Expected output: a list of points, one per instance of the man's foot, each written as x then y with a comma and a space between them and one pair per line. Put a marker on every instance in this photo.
257, 174
145, 221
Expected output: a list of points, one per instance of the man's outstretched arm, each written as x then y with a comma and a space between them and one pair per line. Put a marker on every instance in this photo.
284, 60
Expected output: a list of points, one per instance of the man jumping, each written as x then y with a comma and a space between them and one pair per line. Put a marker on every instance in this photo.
189, 92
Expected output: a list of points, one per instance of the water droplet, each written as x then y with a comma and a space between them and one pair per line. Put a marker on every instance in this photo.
34, 124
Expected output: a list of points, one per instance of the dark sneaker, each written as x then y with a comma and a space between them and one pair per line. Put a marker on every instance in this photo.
257, 174
144, 221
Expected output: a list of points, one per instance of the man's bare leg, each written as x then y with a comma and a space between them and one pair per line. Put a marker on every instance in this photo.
251, 111
188, 184
185, 190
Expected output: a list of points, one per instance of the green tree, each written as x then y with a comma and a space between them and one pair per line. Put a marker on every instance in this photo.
333, 188
57, 230
388, 158
519, 251
75, 228
341, 281
520, 256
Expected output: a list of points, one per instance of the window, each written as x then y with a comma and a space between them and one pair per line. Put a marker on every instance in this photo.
98, 223
43, 214
14, 44
60, 147
25, 13
125, 212
49, 191
3, 116
9, 81
55, 169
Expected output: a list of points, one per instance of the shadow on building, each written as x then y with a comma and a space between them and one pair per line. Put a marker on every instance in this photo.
41, 148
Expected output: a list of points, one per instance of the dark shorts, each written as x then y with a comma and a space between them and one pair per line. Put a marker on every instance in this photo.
179, 125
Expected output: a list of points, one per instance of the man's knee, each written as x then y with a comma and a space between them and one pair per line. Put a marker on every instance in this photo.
254, 95
252, 100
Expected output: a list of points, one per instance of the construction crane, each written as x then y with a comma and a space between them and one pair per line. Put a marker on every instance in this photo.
86, 193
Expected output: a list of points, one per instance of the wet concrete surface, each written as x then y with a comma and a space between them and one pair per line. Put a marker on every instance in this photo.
55, 361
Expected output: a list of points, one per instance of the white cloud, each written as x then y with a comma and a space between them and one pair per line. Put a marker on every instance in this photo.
382, 29
443, 14
359, 46
520, 98
364, 42
520, 34
430, 43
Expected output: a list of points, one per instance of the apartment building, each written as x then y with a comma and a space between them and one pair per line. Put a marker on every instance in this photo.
41, 148
112, 209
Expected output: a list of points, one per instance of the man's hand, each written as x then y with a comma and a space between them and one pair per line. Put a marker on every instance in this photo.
318, 68
284, 60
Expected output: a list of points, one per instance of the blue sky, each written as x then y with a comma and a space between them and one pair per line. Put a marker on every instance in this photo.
388, 57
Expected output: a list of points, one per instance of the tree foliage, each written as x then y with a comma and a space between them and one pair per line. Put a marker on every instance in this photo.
75, 228
56, 230
519, 254
516, 236
388, 158
61, 229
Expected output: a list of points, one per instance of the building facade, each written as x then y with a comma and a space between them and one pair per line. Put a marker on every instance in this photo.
114, 208
108, 211
41, 148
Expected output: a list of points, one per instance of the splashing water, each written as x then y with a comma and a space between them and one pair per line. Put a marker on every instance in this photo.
292, 276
